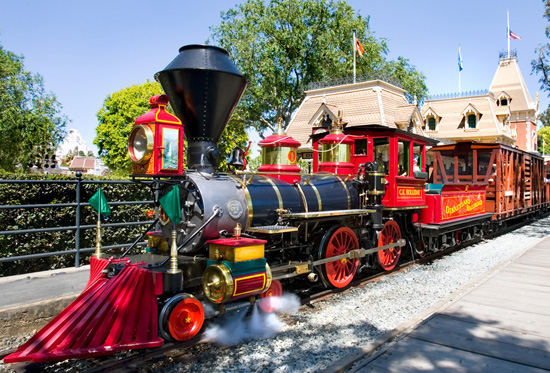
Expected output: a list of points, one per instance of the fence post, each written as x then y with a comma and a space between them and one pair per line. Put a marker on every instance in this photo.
77, 231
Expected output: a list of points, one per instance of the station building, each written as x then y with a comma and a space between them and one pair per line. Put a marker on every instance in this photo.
504, 113
374, 102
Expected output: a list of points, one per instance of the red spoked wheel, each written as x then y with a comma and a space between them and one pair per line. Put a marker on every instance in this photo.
275, 290
336, 242
181, 318
387, 259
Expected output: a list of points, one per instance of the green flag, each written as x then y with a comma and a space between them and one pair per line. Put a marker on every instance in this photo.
99, 203
170, 203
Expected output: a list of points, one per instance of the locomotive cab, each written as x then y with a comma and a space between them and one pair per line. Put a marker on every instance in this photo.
399, 155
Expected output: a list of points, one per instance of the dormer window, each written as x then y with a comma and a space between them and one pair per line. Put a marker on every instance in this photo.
503, 99
471, 117
431, 118
326, 121
431, 124
324, 117
472, 121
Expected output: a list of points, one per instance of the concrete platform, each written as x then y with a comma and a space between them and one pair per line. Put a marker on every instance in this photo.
502, 325
28, 302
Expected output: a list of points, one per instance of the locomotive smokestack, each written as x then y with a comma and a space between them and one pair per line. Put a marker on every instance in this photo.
204, 87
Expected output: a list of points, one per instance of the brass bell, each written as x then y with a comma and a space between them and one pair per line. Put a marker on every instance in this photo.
237, 157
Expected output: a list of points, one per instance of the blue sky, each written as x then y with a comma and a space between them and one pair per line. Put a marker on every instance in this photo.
86, 50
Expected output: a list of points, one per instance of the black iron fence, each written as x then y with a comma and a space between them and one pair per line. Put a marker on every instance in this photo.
81, 189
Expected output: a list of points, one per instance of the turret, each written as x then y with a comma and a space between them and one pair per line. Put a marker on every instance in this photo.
279, 156
335, 151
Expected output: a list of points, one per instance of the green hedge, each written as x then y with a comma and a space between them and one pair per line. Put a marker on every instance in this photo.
24, 244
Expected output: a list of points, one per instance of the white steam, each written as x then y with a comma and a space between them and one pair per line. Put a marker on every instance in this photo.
234, 330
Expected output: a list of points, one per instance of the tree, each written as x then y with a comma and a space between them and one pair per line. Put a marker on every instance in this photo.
31, 125
541, 65
282, 46
543, 142
118, 114
116, 119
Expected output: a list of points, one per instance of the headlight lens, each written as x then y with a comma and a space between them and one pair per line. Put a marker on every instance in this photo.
140, 144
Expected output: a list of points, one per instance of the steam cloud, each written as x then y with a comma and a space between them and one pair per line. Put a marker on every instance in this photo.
234, 330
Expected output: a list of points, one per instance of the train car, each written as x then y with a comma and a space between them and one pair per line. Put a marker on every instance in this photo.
477, 189
236, 239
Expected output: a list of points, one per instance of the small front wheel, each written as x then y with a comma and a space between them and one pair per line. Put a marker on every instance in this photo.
181, 318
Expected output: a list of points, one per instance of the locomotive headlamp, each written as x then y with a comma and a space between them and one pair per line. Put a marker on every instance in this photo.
155, 145
140, 145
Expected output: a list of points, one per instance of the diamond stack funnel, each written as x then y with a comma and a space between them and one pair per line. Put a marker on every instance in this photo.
204, 87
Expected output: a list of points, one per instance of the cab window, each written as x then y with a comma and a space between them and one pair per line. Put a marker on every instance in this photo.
403, 158
381, 150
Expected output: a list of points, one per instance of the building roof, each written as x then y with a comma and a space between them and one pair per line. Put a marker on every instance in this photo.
451, 118
508, 79
367, 103
82, 163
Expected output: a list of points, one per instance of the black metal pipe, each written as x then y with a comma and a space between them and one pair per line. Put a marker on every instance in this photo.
140, 237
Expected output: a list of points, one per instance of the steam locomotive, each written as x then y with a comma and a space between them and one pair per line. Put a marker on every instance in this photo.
240, 236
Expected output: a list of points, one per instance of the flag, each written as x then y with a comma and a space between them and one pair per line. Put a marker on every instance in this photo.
170, 203
358, 47
513, 36
460, 67
99, 203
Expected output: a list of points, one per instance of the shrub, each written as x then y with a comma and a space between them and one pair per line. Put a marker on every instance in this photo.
55, 193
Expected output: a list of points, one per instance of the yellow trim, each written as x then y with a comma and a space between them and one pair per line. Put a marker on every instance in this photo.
304, 199
165, 121
347, 191
264, 275
247, 198
319, 201
276, 189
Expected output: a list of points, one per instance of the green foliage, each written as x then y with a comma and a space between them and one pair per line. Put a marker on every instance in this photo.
541, 65
33, 243
282, 46
116, 118
543, 133
28, 114
545, 117
411, 80
233, 135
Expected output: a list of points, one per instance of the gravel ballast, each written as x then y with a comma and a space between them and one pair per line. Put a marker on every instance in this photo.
318, 337
315, 338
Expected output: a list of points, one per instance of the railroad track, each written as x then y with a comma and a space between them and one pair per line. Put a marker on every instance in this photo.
132, 360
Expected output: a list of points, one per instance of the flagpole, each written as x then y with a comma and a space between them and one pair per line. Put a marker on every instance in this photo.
97, 253
354, 48
508, 30
459, 69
